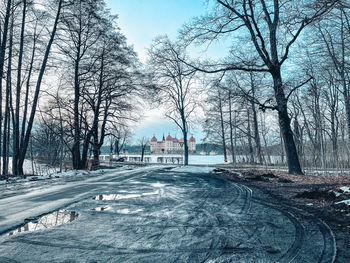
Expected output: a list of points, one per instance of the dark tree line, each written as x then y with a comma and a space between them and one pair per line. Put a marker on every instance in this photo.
64, 67
269, 31
23, 64
68, 75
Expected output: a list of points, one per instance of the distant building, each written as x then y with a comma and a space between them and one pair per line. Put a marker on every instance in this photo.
170, 145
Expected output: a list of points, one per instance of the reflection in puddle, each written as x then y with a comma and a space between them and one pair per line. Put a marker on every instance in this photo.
102, 208
128, 211
47, 221
122, 196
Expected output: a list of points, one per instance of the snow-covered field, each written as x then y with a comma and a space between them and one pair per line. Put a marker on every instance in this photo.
32, 167
71, 173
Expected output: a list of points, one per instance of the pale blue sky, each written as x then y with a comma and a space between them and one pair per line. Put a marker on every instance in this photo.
143, 20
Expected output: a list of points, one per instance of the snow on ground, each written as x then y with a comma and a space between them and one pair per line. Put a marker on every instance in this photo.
33, 167
345, 189
193, 169
344, 192
347, 202
35, 198
335, 193
71, 173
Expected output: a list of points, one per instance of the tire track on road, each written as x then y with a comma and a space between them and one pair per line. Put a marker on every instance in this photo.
329, 245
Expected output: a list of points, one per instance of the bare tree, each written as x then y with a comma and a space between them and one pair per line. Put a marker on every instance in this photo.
271, 29
3, 41
143, 142
175, 84
24, 146
79, 35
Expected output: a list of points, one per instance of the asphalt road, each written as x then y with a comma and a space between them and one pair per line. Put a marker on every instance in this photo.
162, 216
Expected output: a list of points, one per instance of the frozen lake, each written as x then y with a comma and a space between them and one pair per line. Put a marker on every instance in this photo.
173, 158
193, 159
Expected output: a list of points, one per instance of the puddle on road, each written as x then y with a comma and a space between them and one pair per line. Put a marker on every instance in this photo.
47, 221
111, 197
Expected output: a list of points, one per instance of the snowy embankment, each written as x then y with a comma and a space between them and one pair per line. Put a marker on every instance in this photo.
343, 191
71, 173
32, 167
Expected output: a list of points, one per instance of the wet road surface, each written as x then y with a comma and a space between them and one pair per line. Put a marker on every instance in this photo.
168, 216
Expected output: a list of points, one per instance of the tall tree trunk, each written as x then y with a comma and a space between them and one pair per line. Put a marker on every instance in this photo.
26, 102
7, 105
255, 124
185, 147
9, 81
85, 150
282, 147
184, 133
334, 138
76, 146
2, 58
16, 134
222, 128
37, 90
95, 147
61, 136
96, 144
297, 135
143, 147
6, 121
231, 129
284, 122
263, 134
250, 145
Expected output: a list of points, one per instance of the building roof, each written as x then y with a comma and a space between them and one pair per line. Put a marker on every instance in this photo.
174, 139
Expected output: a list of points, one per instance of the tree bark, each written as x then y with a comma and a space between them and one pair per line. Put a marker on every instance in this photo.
7, 105
231, 129
184, 133
222, 128
16, 135
9, 90
250, 145
76, 146
25, 110
143, 148
2, 58
284, 122
185, 147
255, 124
